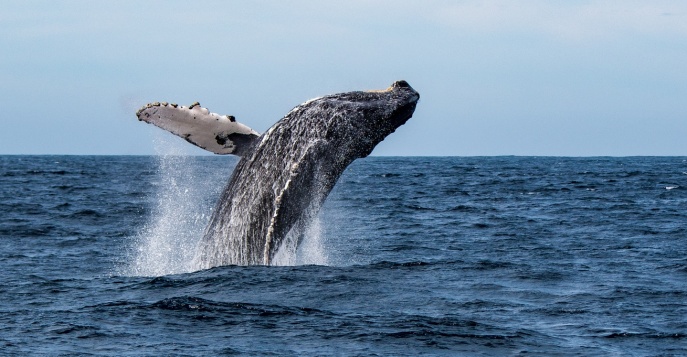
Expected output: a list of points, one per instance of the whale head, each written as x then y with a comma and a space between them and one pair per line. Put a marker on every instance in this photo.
358, 121
401, 98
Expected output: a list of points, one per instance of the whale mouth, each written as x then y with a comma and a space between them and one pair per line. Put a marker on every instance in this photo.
403, 113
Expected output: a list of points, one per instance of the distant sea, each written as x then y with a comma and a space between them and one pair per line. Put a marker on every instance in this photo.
437, 256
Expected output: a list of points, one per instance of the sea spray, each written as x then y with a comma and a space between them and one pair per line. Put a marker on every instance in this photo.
311, 250
183, 202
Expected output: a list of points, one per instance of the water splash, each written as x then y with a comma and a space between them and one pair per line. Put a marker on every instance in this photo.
183, 202
310, 251
167, 243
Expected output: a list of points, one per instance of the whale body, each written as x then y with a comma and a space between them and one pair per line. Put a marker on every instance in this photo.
285, 174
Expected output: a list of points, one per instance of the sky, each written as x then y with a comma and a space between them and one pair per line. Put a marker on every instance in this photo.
541, 78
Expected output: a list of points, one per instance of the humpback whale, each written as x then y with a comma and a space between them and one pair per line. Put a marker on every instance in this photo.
285, 174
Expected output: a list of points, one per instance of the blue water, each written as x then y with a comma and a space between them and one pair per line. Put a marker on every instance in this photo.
475, 256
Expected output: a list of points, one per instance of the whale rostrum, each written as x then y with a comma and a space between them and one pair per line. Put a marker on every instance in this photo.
285, 174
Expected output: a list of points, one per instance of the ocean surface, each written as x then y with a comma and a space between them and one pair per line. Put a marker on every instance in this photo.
454, 256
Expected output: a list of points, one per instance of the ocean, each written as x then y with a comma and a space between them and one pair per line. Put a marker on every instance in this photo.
435, 256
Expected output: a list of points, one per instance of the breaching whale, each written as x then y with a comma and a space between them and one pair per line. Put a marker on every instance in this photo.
285, 174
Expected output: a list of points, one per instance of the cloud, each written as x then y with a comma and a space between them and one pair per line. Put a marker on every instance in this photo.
566, 20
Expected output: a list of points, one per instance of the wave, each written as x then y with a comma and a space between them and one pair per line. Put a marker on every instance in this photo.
192, 303
650, 335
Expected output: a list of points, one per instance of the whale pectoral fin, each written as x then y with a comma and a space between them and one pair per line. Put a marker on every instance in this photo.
220, 134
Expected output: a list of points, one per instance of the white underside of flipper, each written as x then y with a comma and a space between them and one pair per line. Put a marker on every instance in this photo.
219, 134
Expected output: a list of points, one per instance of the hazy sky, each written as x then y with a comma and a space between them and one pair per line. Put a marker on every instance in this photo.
572, 78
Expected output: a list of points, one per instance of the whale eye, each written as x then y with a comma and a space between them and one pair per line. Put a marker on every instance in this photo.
402, 84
